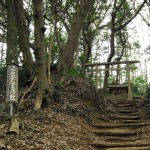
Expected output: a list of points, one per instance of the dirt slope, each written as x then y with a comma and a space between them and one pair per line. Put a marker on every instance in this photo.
67, 124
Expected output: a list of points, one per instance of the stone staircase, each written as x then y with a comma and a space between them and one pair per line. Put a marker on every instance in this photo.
123, 130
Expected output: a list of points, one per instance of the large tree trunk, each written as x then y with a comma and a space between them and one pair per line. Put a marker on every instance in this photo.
23, 34
87, 46
67, 57
39, 29
112, 51
12, 51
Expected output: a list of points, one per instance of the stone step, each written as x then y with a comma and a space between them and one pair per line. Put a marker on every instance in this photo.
120, 125
129, 114
126, 101
125, 105
130, 148
116, 132
121, 139
125, 117
127, 110
117, 97
121, 145
129, 121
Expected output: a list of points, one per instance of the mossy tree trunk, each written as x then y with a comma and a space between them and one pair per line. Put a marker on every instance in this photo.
23, 37
39, 52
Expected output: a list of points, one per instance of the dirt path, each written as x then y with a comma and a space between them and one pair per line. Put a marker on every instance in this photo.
72, 127
124, 130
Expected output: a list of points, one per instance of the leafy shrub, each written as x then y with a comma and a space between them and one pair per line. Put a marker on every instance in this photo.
75, 72
67, 148
138, 86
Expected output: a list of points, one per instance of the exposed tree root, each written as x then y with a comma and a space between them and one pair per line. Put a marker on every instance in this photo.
16, 123
28, 90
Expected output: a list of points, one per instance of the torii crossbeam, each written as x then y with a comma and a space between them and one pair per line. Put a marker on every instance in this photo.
128, 68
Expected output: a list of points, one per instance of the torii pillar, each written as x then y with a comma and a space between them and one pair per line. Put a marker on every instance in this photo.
130, 96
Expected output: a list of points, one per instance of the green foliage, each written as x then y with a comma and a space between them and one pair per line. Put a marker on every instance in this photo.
137, 45
122, 14
148, 91
55, 51
75, 72
3, 77
138, 86
67, 148
89, 75
82, 57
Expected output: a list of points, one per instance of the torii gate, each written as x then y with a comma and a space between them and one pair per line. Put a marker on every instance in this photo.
128, 68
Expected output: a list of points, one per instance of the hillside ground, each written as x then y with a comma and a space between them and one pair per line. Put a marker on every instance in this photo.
66, 124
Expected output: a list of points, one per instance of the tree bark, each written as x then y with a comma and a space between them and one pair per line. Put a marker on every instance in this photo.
112, 47
87, 46
67, 59
12, 50
23, 37
39, 29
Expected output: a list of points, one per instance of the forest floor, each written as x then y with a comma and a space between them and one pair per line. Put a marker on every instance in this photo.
67, 124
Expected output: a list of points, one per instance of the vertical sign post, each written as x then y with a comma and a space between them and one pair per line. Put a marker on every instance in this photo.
12, 85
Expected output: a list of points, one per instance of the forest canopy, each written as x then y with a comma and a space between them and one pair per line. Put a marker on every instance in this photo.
42, 35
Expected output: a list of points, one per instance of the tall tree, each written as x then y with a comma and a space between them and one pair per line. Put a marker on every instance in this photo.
92, 27
23, 37
145, 16
3, 21
121, 16
12, 48
67, 58
40, 64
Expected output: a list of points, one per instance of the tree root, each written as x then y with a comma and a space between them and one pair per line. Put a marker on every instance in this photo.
16, 124
26, 92
2, 145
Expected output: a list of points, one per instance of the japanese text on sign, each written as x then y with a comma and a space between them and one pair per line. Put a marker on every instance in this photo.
12, 83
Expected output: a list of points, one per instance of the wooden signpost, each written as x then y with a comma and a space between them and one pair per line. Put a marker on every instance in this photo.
12, 85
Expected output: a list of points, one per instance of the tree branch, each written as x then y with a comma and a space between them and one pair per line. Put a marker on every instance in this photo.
122, 18
118, 7
125, 24
103, 26
148, 23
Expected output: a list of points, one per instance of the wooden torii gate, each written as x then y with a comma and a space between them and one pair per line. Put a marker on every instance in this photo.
118, 86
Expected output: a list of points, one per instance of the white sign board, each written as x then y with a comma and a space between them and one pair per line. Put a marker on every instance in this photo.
12, 83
